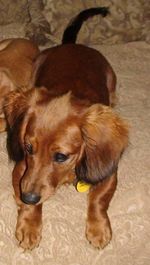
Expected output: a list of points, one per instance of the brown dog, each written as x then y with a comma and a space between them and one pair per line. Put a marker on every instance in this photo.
16, 67
65, 132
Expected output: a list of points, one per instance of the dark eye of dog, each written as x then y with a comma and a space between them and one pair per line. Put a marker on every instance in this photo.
60, 158
28, 148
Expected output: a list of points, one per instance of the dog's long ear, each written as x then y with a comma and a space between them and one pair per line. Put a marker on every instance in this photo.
15, 106
105, 137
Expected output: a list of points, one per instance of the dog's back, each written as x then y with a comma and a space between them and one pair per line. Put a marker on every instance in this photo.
76, 68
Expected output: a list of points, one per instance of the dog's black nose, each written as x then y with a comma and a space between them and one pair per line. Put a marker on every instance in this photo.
30, 198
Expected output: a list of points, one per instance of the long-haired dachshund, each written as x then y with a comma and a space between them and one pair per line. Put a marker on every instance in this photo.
64, 130
16, 68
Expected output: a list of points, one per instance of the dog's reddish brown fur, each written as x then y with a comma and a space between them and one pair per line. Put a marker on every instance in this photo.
78, 124
64, 132
16, 67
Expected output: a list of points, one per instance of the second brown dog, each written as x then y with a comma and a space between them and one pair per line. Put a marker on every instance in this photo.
17, 57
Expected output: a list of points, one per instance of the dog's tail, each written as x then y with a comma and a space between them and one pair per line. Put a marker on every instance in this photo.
70, 33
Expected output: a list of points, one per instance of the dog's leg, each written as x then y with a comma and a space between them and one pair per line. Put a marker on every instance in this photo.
111, 85
29, 226
6, 85
2, 125
29, 222
98, 228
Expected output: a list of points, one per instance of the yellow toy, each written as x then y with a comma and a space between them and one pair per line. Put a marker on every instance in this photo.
82, 186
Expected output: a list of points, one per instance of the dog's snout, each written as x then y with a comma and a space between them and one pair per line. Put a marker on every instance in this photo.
30, 198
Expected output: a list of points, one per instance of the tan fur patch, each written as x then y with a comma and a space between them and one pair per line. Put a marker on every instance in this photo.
56, 110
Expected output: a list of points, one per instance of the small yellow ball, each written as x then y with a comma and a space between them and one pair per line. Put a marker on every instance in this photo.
82, 186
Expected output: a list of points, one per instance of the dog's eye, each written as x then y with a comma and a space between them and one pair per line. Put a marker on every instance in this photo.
60, 158
28, 148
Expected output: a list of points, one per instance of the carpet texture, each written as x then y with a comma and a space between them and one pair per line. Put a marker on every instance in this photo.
63, 241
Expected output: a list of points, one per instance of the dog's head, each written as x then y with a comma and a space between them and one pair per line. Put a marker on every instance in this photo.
60, 138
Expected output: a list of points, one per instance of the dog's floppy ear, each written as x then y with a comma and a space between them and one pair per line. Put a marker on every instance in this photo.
15, 106
105, 137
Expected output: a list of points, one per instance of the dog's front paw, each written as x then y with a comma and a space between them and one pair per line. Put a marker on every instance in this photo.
29, 235
98, 233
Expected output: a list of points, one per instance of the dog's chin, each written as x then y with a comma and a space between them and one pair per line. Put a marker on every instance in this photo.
46, 193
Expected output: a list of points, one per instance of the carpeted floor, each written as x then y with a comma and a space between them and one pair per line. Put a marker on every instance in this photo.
64, 215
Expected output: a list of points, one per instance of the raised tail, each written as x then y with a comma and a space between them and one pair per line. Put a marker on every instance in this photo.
70, 33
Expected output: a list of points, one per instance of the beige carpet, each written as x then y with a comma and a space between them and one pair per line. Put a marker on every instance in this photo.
64, 215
